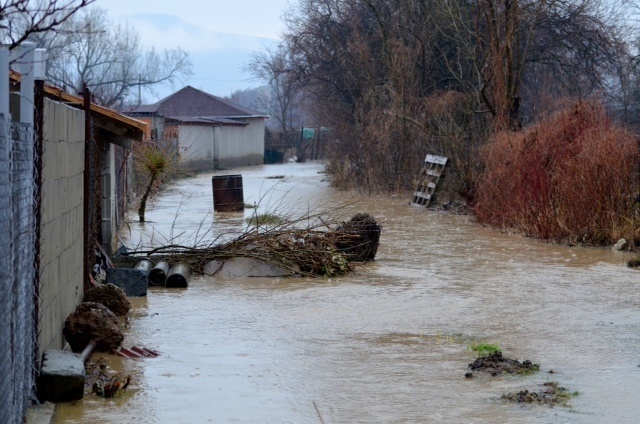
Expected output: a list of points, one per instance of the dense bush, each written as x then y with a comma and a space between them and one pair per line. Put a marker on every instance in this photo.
572, 177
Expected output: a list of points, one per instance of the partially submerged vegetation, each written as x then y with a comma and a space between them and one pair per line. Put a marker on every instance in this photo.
551, 394
494, 363
490, 360
265, 219
322, 247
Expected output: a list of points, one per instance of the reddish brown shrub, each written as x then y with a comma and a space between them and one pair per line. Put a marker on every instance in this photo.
572, 177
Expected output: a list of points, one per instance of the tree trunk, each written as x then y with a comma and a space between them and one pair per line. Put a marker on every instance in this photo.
145, 196
515, 123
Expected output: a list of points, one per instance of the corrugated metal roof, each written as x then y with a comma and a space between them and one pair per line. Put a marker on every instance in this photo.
191, 102
132, 127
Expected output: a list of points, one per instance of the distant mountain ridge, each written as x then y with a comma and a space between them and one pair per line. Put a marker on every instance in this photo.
158, 26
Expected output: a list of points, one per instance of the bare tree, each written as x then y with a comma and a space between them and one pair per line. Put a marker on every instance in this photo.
366, 64
89, 48
21, 19
373, 69
248, 97
284, 98
496, 48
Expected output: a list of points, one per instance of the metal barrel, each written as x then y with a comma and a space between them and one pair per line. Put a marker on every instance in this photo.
227, 193
178, 276
144, 265
158, 274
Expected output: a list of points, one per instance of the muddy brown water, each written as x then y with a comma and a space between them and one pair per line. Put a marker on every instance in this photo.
386, 344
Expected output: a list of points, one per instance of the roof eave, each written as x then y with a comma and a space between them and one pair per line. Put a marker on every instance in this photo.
244, 116
133, 128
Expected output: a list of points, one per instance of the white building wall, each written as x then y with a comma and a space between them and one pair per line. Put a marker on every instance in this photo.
240, 146
196, 147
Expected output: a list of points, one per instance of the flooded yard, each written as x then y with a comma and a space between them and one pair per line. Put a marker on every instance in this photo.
389, 343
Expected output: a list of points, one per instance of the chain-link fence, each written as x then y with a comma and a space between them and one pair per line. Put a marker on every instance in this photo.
17, 288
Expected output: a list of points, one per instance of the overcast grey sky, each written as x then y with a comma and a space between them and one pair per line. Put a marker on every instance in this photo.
218, 60
247, 17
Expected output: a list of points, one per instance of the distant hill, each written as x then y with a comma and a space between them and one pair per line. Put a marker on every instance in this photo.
218, 58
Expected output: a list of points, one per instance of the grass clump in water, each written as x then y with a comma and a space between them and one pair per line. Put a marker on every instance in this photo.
267, 219
485, 349
490, 360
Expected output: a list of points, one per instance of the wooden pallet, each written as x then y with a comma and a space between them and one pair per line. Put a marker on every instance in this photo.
429, 177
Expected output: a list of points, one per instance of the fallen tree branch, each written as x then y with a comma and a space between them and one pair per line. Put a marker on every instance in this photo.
308, 252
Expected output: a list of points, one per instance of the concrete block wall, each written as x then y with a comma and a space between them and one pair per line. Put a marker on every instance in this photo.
61, 279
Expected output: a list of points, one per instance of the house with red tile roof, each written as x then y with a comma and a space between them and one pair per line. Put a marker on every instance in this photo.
208, 132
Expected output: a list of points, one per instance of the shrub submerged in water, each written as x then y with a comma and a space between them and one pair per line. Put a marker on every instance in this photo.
569, 178
360, 237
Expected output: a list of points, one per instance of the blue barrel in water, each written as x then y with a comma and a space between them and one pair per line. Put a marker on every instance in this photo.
227, 193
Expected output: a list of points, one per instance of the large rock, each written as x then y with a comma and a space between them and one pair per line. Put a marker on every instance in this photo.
62, 376
134, 282
111, 296
92, 321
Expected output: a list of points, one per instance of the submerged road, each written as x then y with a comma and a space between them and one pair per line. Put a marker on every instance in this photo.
389, 343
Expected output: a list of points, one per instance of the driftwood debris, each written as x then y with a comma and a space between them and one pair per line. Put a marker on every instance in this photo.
309, 252
104, 382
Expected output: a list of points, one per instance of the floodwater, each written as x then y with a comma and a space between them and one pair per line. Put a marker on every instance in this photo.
386, 344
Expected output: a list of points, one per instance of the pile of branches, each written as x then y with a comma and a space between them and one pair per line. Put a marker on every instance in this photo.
308, 252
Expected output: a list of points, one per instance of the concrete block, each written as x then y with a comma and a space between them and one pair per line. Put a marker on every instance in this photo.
62, 376
40, 414
134, 282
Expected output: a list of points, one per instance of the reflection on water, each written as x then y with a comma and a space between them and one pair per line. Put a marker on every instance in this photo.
389, 343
